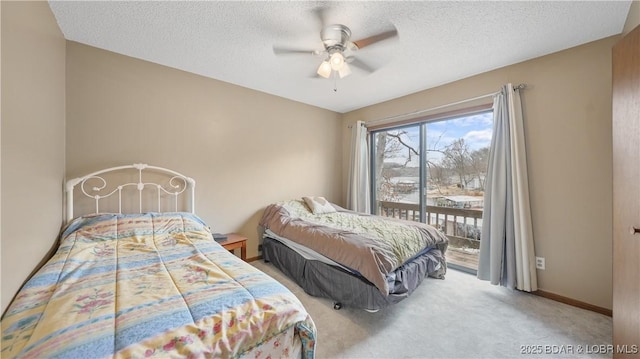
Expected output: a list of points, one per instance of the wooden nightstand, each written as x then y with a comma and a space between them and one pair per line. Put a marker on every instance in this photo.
234, 241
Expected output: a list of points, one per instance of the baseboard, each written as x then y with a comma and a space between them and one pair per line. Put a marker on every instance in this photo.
254, 259
573, 302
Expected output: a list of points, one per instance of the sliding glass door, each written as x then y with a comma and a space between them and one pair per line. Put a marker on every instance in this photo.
398, 177
434, 172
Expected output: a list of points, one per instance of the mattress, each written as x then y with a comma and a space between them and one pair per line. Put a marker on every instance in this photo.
345, 287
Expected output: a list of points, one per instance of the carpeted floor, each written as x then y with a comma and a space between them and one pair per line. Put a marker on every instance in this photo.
459, 317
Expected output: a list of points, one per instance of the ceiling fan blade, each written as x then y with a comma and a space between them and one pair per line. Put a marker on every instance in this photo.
320, 14
359, 64
376, 38
289, 51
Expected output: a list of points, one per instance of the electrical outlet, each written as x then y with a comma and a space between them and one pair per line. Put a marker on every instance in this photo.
540, 263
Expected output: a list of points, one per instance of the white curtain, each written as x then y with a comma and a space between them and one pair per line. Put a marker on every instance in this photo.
358, 198
507, 254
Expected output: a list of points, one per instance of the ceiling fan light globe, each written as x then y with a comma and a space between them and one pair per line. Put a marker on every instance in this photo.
324, 69
337, 60
344, 71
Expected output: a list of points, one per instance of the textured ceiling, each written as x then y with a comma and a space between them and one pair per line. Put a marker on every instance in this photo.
438, 42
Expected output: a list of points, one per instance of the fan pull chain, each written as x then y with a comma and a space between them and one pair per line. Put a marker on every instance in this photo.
335, 82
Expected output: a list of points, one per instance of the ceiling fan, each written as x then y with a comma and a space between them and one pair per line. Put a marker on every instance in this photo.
337, 50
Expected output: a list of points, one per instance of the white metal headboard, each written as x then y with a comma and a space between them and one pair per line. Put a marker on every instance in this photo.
175, 187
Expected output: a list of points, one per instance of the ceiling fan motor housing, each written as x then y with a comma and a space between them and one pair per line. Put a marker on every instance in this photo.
335, 37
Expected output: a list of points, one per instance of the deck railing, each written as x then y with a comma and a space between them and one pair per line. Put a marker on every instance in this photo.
461, 225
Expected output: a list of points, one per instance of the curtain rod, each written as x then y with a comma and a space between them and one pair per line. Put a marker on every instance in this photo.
515, 88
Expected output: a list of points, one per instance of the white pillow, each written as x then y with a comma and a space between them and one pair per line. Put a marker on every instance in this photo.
319, 205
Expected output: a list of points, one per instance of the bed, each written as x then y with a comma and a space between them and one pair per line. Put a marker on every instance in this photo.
355, 259
150, 284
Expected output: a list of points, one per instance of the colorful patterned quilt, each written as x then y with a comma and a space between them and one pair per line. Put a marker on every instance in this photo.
151, 285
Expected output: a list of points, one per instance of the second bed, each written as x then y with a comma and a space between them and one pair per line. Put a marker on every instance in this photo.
355, 259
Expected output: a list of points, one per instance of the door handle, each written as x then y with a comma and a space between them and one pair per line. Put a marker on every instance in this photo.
634, 230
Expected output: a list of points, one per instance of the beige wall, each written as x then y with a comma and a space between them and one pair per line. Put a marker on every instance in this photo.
567, 110
633, 18
244, 148
33, 119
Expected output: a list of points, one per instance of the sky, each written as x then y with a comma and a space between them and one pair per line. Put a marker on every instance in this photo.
475, 129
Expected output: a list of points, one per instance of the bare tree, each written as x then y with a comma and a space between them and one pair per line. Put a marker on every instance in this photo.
390, 144
479, 163
457, 158
439, 175
399, 142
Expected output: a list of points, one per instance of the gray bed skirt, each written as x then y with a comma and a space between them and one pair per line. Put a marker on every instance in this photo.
323, 280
